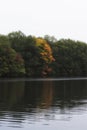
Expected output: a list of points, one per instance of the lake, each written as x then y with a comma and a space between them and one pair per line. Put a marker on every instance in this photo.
43, 104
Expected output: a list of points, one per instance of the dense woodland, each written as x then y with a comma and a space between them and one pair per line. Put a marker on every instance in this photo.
30, 56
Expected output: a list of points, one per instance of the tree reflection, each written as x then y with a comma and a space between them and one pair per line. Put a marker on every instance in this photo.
47, 95
24, 98
10, 94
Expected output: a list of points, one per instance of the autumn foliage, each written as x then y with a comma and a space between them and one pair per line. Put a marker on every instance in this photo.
31, 56
45, 50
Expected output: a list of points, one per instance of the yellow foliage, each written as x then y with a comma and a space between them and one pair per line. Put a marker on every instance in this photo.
45, 50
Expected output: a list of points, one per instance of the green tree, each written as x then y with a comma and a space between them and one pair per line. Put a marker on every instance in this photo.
50, 39
70, 58
17, 40
11, 63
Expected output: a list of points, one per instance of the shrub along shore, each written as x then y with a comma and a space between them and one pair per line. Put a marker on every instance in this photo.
30, 56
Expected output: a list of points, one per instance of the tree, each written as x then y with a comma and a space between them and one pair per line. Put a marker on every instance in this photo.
50, 39
17, 40
11, 63
4, 40
70, 58
36, 53
45, 57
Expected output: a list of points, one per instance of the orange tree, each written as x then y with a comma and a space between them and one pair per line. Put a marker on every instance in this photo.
45, 56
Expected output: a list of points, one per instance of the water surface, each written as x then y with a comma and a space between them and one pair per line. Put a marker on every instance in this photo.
43, 104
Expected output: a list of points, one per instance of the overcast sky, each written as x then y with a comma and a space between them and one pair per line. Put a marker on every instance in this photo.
59, 18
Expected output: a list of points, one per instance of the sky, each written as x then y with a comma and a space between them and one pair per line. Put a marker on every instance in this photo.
58, 18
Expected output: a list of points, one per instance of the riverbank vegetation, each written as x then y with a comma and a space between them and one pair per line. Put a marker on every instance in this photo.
30, 56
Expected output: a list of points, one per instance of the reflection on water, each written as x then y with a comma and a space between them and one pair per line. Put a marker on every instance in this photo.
28, 102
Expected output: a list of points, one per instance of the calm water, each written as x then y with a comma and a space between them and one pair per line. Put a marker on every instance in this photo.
43, 104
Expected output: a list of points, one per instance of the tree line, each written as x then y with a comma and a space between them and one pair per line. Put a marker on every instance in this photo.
30, 56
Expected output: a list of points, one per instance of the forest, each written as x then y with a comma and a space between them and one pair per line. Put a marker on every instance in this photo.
30, 56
